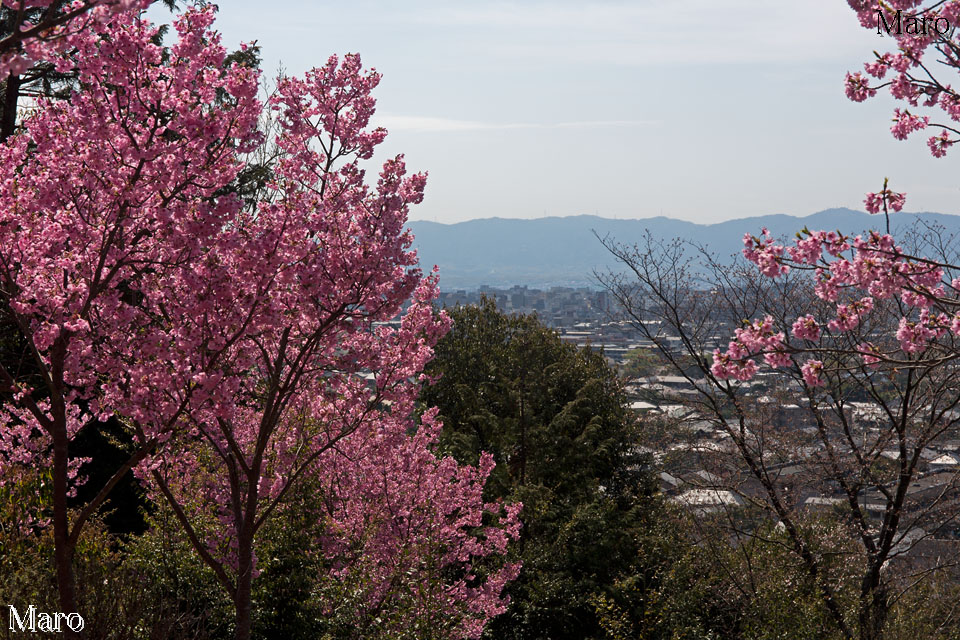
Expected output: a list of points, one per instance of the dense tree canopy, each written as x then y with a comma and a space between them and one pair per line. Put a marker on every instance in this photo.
243, 338
553, 416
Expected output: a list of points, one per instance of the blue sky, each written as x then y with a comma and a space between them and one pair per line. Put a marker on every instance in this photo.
703, 110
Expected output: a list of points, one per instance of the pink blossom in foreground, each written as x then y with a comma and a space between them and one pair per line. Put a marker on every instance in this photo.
911, 80
835, 243
765, 253
398, 511
878, 68
807, 250
777, 358
906, 123
939, 144
56, 33
757, 337
870, 353
291, 365
857, 274
247, 345
849, 315
806, 328
916, 336
857, 88
811, 371
102, 194
884, 200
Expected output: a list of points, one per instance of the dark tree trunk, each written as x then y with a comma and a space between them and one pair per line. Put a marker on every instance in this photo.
873, 613
243, 595
11, 95
63, 550
242, 605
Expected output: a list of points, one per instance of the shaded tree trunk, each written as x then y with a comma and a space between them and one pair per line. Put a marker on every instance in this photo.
873, 612
242, 604
63, 549
11, 94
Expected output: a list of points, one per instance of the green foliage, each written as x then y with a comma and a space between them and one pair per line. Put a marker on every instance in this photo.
553, 416
25, 575
641, 362
186, 600
287, 599
679, 595
549, 413
139, 591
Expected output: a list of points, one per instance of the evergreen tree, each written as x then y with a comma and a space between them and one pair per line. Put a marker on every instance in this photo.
554, 418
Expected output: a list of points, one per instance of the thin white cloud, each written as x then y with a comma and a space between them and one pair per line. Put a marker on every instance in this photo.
656, 32
430, 124
617, 32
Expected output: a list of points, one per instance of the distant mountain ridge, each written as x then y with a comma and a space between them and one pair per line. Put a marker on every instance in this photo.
554, 251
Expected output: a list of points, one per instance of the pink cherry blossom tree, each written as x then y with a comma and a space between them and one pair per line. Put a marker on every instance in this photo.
289, 366
860, 331
277, 360
295, 369
120, 181
246, 345
400, 519
925, 39
822, 396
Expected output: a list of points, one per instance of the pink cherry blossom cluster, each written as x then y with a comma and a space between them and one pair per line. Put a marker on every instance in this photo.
905, 123
915, 336
812, 370
913, 81
884, 200
765, 253
877, 265
857, 87
940, 143
806, 328
757, 337
843, 266
849, 315
400, 514
247, 345
55, 32
870, 353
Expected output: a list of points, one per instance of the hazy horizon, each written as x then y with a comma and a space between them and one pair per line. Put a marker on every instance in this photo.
708, 223
690, 109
